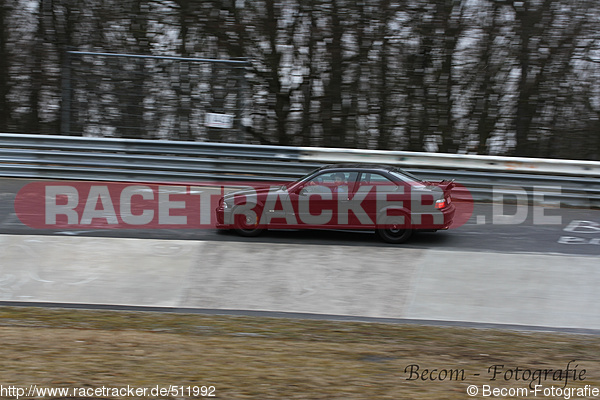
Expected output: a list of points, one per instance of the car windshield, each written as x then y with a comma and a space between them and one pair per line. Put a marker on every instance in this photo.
305, 177
406, 177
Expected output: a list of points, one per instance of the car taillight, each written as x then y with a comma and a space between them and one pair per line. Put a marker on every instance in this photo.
441, 203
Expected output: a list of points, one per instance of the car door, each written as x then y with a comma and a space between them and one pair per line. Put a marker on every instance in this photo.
316, 201
379, 193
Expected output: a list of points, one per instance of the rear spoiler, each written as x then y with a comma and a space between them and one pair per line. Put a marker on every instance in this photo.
447, 185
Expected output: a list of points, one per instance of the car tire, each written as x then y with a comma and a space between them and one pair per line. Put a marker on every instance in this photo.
246, 225
394, 230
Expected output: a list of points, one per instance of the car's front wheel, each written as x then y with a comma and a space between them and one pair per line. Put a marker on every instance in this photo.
246, 224
395, 229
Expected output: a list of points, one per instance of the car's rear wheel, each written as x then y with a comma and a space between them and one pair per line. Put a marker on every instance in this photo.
395, 229
246, 224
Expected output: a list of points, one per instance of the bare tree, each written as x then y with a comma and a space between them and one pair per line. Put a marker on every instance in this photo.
5, 57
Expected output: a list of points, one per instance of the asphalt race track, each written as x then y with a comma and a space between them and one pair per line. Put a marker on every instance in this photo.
495, 269
482, 232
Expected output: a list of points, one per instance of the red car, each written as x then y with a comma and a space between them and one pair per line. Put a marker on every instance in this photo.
383, 198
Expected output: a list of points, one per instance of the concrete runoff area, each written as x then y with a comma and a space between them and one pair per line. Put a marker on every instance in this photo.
94, 270
529, 289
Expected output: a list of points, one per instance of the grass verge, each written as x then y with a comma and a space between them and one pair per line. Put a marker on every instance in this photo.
270, 358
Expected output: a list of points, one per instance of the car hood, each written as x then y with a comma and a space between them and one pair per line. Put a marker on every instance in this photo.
245, 192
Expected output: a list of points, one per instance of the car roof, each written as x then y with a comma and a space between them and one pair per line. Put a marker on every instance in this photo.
381, 167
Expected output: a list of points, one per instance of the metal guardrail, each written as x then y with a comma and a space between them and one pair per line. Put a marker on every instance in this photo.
458, 161
64, 157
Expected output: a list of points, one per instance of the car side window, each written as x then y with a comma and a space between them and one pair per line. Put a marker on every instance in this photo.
336, 182
375, 179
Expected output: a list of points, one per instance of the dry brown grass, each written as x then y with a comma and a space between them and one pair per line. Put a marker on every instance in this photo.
268, 358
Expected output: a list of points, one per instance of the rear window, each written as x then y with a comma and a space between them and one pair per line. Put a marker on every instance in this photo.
407, 177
